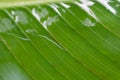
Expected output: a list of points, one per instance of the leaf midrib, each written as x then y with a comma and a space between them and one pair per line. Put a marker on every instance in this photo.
15, 3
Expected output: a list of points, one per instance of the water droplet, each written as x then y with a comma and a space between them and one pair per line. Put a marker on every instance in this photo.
13, 12
6, 25
50, 21
88, 23
31, 31
117, 5
19, 16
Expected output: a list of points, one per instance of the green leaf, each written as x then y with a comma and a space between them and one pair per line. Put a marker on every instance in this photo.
70, 40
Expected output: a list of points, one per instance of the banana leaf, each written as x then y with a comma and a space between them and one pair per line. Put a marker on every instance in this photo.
60, 40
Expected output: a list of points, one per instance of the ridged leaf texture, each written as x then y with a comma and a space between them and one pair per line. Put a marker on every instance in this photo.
73, 40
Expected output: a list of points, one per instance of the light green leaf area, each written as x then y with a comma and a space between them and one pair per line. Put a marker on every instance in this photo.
70, 40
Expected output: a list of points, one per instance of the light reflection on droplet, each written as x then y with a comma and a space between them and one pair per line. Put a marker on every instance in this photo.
35, 14
16, 19
85, 5
65, 5
55, 7
12, 12
105, 3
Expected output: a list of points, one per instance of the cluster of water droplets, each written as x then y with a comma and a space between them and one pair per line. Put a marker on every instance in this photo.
6, 25
19, 16
43, 17
87, 4
40, 14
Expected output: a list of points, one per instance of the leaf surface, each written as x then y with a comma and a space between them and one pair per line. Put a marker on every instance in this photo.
72, 40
